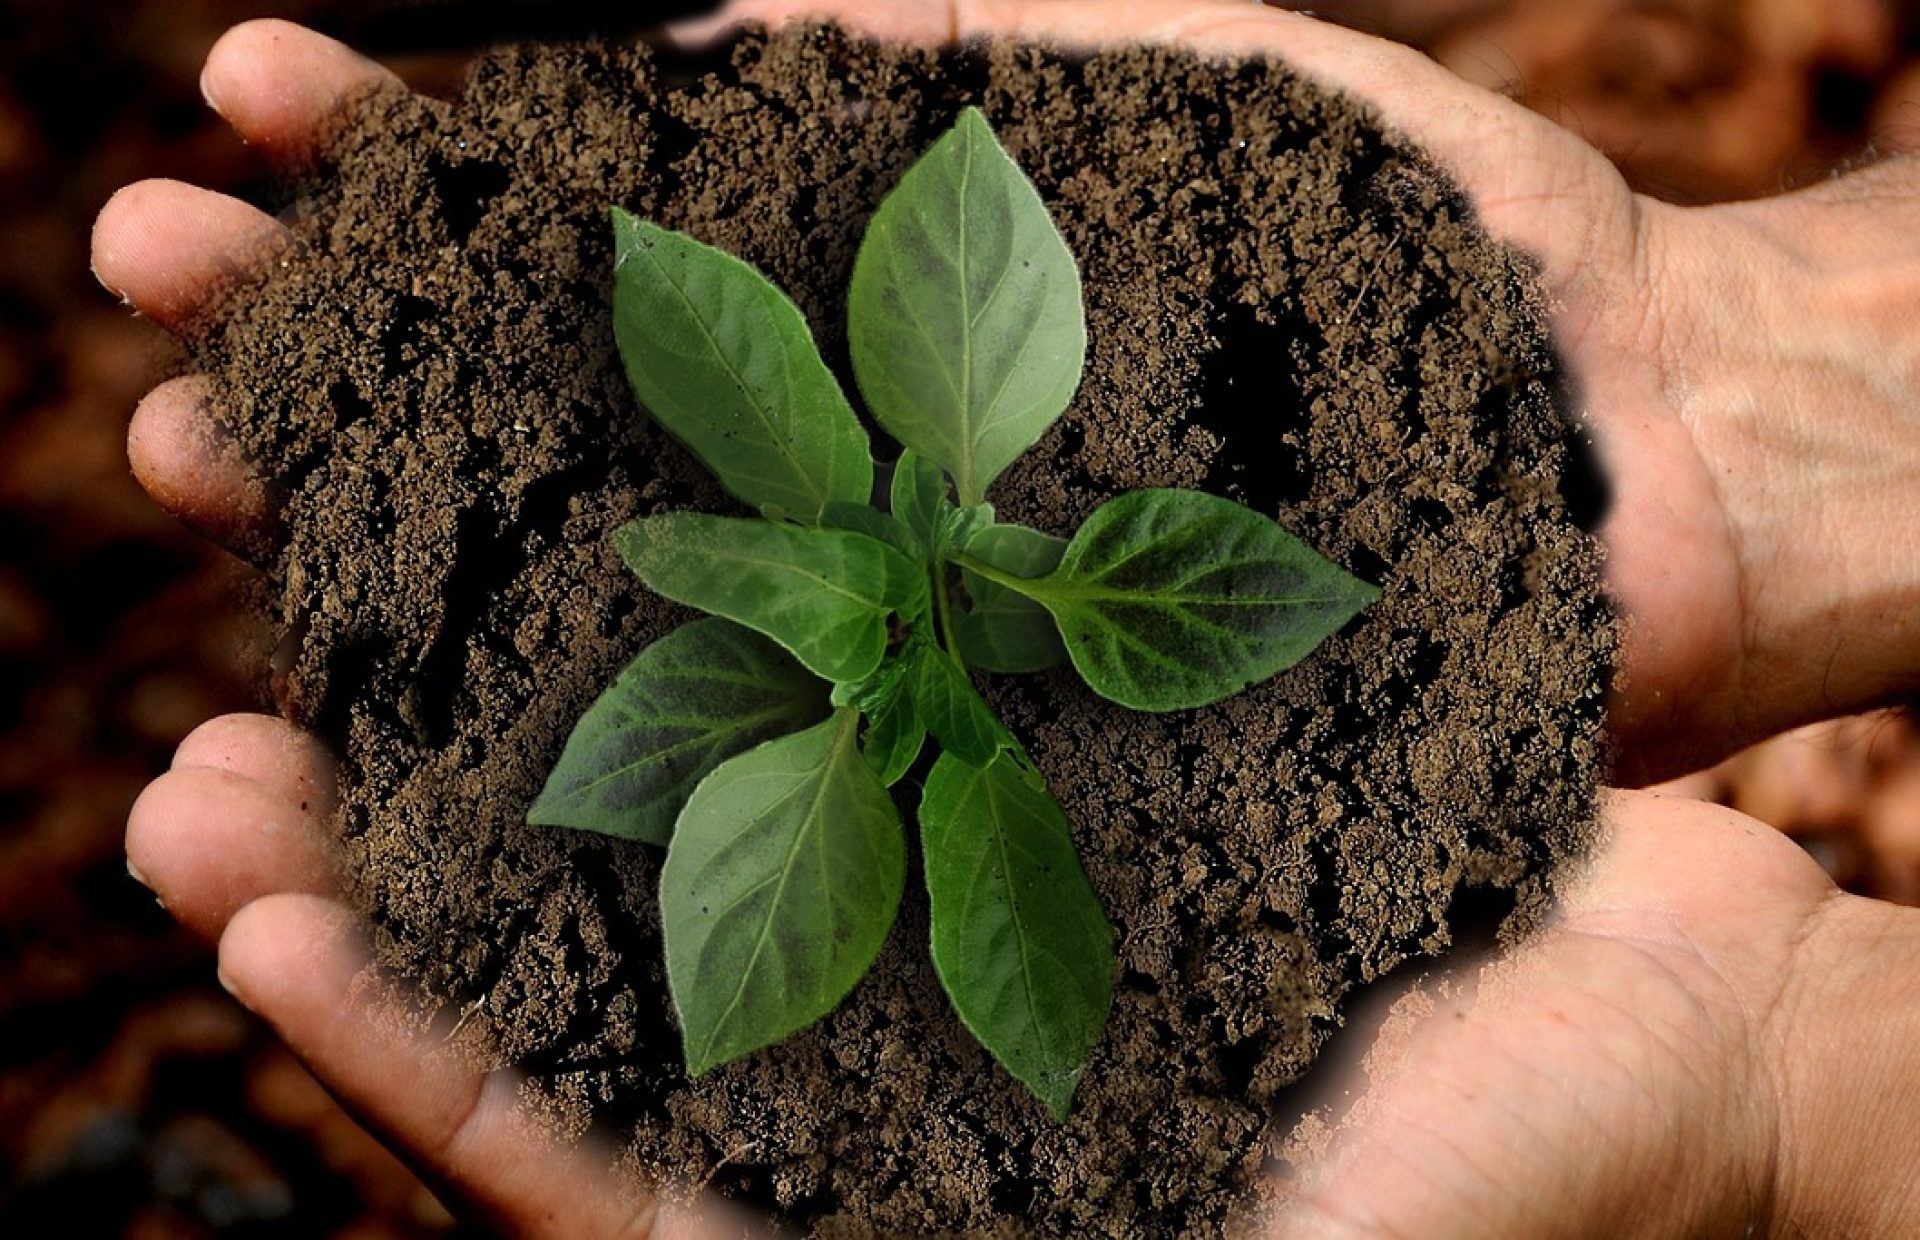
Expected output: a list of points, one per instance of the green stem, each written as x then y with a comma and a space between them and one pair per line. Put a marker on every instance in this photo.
943, 612
1023, 586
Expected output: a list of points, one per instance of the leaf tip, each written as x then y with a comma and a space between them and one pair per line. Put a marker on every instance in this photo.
698, 1066
1056, 1094
1361, 595
626, 226
544, 812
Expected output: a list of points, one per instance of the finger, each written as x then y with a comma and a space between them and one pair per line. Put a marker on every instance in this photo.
1801, 782
285, 759
297, 961
209, 841
1652, 858
169, 249
283, 87
190, 468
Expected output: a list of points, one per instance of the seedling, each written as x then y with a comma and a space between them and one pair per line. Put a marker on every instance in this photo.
759, 746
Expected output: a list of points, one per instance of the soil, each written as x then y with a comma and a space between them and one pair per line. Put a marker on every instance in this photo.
1286, 305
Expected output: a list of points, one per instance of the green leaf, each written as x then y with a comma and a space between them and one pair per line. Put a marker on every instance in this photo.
826, 595
690, 701
964, 315
895, 732
1018, 550
864, 519
957, 526
782, 880
1005, 631
1169, 600
894, 740
726, 363
919, 497
1019, 938
948, 705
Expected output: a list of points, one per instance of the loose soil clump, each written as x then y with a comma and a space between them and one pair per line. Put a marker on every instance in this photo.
1286, 305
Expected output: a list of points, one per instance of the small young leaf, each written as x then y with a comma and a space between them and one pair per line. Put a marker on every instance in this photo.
1019, 939
919, 497
782, 880
947, 704
691, 700
1005, 631
726, 363
825, 595
895, 733
1169, 600
923, 505
957, 526
964, 315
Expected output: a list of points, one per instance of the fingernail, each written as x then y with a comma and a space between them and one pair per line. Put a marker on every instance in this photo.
208, 96
133, 872
118, 295
226, 984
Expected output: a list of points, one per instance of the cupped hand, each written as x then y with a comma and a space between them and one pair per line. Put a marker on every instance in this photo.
1709, 1039
234, 838
1745, 546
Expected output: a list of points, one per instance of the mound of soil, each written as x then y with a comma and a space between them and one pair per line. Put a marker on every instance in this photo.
1285, 304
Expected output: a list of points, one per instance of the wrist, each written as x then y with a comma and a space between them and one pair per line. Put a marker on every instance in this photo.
1844, 1058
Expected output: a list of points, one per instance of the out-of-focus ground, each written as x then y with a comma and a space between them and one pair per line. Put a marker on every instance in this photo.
135, 1098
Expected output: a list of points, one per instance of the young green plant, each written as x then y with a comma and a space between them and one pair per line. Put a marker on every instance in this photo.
759, 746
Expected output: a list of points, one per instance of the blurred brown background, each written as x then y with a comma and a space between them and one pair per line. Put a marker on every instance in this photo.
134, 1097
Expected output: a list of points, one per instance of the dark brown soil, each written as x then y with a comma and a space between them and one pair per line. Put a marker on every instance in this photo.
1284, 305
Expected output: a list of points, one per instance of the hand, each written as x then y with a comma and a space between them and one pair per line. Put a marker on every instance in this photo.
1709, 1040
1722, 607
233, 839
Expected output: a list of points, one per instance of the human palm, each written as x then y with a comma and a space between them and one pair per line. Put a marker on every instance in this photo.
1642, 1060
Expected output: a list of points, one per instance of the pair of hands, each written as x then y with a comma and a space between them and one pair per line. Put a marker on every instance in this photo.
1708, 1037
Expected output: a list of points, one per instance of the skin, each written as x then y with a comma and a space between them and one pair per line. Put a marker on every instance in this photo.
1709, 1038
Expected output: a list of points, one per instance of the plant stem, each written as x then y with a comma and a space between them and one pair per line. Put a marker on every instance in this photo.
943, 612
1019, 585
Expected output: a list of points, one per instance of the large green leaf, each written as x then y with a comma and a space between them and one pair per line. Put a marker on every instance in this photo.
726, 363
826, 595
1019, 938
782, 880
1169, 600
1004, 630
691, 700
964, 315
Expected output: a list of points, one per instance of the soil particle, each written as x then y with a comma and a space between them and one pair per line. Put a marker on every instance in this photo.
1285, 305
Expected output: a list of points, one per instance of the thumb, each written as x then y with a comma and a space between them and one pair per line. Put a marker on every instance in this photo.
297, 962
